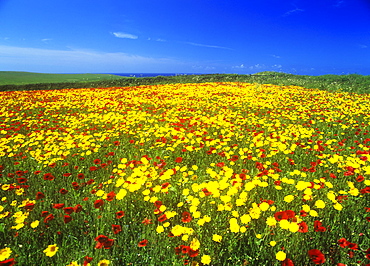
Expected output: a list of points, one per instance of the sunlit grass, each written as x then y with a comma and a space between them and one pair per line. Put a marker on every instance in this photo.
208, 174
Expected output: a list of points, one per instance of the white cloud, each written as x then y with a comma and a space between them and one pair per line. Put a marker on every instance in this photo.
257, 66
160, 40
77, 61
124, 35
241, 66
206, 45
290, 12
363, 46
276, 56
46, 40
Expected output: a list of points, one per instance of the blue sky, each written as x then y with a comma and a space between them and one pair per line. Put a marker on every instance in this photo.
185, 36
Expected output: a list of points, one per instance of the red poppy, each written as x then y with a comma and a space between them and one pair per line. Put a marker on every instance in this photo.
103, 241
97, 161
48, 218
37, 172
63, 191
178, 159
49, 176
143, 243
303, 228
162, 218
77, 208
58, 205
185, 249
29, 206
44, 213
281, 216
8, 262
316, 256
360, 178
116, 228
193, 253
98, 203
343, 242
93, 168
67, 174
146, 221
120, 214
110, 196
67, 219
353, 246
22, 180
75, 185
221, 164
165, 185
108, 244
87, 260
68, 210
206, 192
287, 262
318, 227
116, 143
80, 176
186, 217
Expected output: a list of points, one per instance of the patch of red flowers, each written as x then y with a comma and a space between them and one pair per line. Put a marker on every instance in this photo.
143, 243
116, 228
316, 256
120, 214
8, 262
98, 203
186, 217
103, 242
318, 227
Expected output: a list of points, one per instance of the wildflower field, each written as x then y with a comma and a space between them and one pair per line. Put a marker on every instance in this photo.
221, 173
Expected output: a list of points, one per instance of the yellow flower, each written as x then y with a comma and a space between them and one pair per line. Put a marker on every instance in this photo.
281, 256
216, 238
206, 259
160, 229
293, 227
103, 263
264, 206
338, 206
272, 243
5, 187
234, 227
5, 253
320, 204
289, 198
51, 250
194, 244
271, 221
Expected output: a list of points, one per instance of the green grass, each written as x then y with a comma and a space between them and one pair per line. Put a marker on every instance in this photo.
348, 83
20, 78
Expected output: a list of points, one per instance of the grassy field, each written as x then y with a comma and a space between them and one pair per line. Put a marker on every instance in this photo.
19, 78
203, 173
346, 83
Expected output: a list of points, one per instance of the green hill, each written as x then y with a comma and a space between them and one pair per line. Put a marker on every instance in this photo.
19, 78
